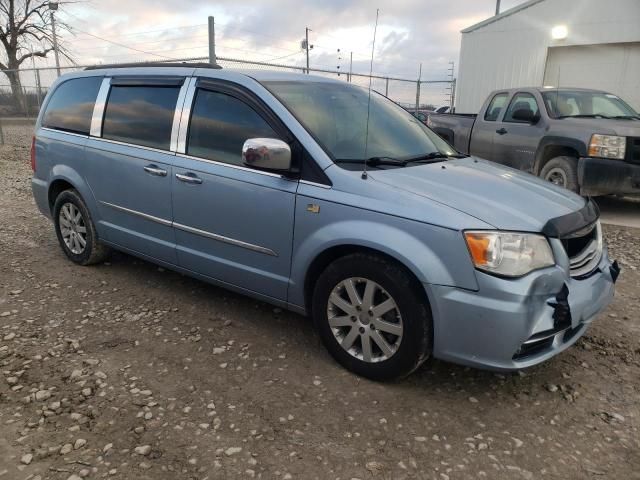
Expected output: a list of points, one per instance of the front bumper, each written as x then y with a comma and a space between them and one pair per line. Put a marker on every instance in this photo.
601, 176
509, 324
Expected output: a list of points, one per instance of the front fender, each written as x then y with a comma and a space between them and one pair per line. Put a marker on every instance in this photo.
435, 255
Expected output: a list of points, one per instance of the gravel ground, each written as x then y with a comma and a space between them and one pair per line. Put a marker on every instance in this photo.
126, 370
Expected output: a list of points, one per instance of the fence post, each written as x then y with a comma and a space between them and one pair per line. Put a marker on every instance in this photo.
386, 87
212, 40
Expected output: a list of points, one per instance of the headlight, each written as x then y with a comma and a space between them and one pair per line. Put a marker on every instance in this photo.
508, 254
607, 146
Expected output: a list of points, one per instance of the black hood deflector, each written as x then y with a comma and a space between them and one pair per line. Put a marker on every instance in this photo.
566, 225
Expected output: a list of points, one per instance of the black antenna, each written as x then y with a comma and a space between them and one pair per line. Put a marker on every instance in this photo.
366, 136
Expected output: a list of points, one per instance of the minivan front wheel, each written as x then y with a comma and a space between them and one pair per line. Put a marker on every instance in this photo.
372, 317
75, 230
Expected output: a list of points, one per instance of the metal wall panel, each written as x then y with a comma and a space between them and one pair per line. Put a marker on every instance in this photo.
512, 50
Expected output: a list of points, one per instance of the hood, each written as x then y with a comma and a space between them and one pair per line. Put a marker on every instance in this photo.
623, 128
503, 197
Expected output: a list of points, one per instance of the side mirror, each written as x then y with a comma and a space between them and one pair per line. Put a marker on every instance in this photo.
267, 154
525, 115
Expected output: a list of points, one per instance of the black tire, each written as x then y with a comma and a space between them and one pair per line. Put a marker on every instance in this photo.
563, 169
416, 341
93, 251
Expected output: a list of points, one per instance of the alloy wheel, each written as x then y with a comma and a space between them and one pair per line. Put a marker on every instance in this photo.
365, 319
73, 228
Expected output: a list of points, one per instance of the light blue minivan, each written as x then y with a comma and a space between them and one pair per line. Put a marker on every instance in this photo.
323, 198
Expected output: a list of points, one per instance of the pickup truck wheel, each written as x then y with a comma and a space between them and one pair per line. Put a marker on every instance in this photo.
372, 317
75, 230
562, 171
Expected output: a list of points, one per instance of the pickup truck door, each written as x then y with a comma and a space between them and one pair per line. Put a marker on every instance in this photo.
484, 128
516, 141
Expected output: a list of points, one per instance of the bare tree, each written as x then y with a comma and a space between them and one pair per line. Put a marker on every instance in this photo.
25, 32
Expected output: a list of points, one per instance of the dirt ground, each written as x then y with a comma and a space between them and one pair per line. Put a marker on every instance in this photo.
126, 370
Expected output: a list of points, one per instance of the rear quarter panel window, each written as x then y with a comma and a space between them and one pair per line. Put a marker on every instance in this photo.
71, 105
142, 115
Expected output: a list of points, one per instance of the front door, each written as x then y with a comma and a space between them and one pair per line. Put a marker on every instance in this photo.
130, 166
516, 142
232, 223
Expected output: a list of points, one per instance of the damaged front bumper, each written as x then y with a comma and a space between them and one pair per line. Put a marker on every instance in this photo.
509, 324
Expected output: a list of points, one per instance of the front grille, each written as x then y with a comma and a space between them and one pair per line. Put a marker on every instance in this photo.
633, 150
584, 249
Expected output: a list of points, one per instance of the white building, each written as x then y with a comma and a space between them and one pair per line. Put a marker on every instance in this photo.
570, 43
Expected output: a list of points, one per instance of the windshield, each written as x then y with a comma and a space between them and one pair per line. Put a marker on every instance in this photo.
565, 103
336, 115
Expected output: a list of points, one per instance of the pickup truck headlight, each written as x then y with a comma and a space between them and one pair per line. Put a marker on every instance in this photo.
607, 146
508, 254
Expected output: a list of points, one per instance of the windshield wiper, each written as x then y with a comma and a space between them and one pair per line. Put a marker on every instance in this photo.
374, 161
585, 115
433, 156
627, 117
397, 162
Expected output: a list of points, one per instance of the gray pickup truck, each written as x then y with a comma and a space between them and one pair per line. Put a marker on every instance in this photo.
585, 140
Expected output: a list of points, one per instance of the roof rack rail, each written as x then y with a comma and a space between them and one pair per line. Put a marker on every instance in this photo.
155, 64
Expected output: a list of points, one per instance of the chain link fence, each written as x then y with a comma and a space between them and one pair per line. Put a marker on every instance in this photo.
21, 99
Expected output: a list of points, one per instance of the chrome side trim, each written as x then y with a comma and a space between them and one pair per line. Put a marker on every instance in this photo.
73, 134
159, 220
126, 144
98, 108
196, 231
230, 241
314, 184
177, 114
185, 115
237, 167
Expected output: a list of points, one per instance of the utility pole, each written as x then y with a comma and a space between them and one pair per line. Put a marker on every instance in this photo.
351, 67
306, 45
497, 7
53, 6
418, 88
212, 40
452, 84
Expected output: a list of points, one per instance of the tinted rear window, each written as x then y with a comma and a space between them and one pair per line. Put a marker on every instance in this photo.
141, 115
71, 105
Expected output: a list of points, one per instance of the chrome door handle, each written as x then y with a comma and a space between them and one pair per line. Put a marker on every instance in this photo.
189, 178
154, 170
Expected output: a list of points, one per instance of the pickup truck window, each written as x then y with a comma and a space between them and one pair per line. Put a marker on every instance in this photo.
581, 103
495, 107
336, 115
521, 101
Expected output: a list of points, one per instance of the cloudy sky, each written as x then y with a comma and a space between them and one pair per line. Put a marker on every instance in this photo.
410, 32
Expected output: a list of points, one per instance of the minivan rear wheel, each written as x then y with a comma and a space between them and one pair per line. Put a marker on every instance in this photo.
75, 230
372, 317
